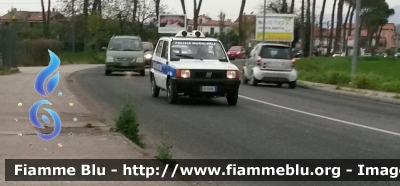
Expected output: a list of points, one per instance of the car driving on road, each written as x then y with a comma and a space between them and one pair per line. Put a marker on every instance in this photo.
125, 53
270, 63
199, 73
148, 49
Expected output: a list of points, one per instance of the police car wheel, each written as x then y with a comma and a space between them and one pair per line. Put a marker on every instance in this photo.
171, 94
232, 98
143, 73
155, 91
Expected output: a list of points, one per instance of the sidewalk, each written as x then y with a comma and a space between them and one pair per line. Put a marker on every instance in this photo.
385, 97
90, 143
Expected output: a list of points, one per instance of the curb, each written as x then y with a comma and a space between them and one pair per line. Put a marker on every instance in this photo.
312, 86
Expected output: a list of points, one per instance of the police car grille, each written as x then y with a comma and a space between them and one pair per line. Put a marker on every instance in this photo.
124, 59
212, 74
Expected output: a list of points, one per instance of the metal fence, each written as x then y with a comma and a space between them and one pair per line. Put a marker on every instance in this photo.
8, 47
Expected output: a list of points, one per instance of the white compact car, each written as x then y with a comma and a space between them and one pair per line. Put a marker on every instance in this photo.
270, 63
190, 64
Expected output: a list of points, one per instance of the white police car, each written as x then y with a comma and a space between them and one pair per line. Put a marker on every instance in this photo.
190, 64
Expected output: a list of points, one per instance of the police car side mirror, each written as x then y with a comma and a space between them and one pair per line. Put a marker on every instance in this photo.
231, 58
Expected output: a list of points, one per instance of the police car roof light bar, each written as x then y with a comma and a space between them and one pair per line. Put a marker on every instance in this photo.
185, 33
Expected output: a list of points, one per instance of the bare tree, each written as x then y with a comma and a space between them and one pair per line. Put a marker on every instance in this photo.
134, 13
345, 27
46, 19
196, 11
292, 7
321, 20
303, 36
339, 25
308, 29
221, 22
157, 8
331, 29
183, 6
241, 31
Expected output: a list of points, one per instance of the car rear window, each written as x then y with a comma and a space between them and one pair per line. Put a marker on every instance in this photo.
276, 52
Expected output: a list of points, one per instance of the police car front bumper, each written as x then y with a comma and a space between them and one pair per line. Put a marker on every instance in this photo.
192, 87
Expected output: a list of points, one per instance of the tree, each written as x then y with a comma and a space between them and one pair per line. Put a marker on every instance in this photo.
221, 22
339, 24
157, 8
292, 7
46, 20
349, 14
183, 6
307, 30
196, 11
303, 36
321, 22
328, 53
241, 29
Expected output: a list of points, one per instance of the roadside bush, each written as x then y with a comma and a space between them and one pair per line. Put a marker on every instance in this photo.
337, 78
164, 153
367, 81
83, 57
127, 124
390, 87
34, 52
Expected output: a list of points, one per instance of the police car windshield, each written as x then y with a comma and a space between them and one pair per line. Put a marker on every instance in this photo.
204, 50
125, 44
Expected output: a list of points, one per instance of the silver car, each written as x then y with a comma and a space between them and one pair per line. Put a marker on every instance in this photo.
270, 63
125, 53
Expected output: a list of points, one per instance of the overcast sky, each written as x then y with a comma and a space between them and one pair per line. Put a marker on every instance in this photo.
209, 7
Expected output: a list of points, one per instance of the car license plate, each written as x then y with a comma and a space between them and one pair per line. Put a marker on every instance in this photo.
208, 88
125, 64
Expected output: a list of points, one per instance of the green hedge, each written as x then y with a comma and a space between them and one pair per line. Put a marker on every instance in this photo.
375, 73
34, 52
83, 57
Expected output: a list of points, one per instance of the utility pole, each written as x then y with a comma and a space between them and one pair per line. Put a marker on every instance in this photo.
312, 29
73, 26
356, 39
265, 7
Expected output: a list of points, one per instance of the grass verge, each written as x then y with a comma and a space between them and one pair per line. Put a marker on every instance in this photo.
373, 73
127, 124
82, 58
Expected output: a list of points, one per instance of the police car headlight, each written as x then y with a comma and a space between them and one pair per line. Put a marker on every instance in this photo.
109, 59
231, 74
139, 60
184, 73
148, 56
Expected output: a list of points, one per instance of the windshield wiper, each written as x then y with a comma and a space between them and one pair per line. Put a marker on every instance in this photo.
186, 56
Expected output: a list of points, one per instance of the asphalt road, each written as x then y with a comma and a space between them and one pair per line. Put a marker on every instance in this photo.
267, 123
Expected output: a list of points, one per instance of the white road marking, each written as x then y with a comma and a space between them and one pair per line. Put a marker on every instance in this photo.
323, 117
